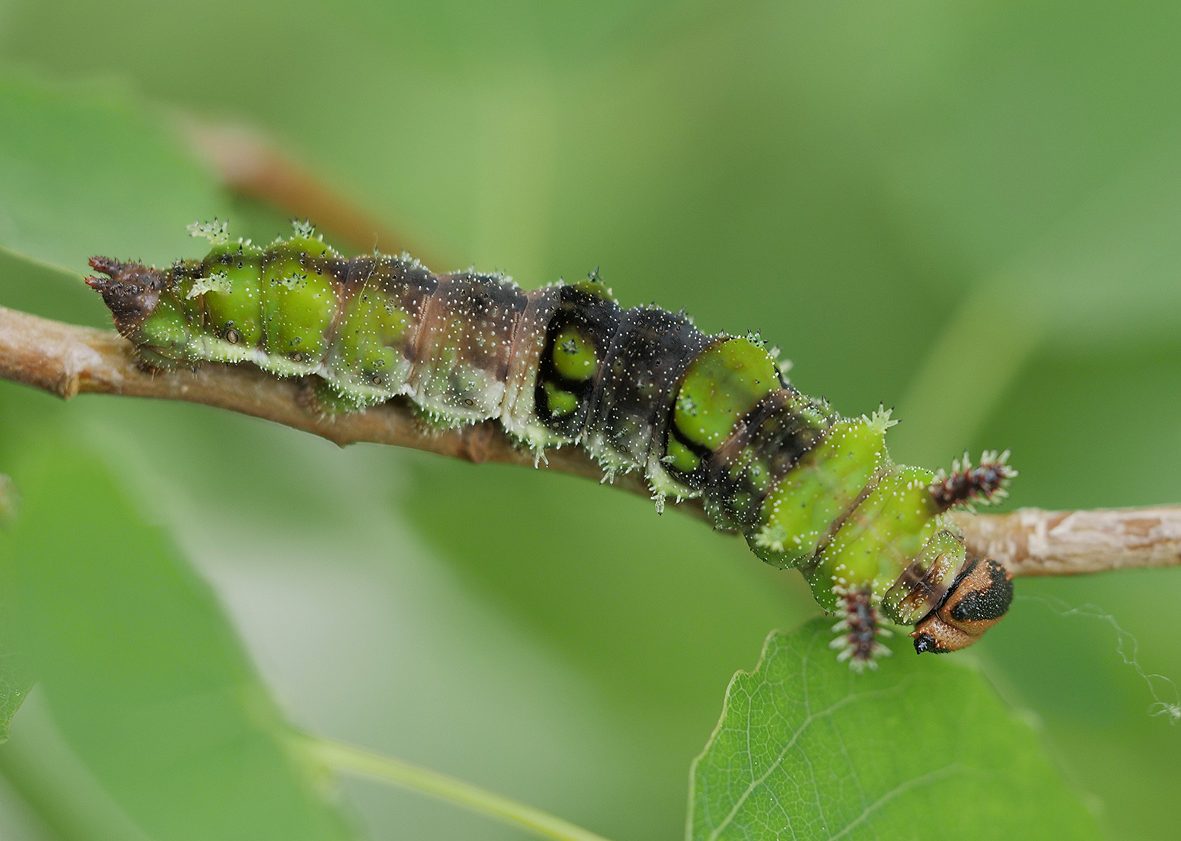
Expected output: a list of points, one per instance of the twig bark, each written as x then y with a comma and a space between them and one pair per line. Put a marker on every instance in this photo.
1030, 541
66, 360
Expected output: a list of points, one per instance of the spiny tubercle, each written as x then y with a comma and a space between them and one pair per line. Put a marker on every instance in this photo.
982, 484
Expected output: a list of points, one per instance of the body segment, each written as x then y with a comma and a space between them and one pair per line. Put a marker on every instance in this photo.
640, 389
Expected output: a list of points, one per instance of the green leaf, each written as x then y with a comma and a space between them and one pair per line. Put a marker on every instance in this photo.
15, 683
806, 748
88, 170
15, 679
141, 671
7, 500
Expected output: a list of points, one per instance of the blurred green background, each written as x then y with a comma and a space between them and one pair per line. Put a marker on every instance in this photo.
967, 211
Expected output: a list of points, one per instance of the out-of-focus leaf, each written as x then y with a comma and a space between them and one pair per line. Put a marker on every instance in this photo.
7, 500
86, 170
15, 679
142, 673
807, 749
15, 682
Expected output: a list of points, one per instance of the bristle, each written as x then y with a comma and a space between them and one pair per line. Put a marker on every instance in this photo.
983, 484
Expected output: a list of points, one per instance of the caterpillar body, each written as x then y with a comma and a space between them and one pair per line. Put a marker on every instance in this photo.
642, 389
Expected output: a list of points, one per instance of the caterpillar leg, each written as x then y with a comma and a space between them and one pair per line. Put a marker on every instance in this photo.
859, 632
316, 396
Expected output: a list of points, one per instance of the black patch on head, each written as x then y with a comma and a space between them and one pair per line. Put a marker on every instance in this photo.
990, 603
925, 643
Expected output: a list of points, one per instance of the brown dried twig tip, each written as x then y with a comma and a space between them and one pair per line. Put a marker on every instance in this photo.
984, 484
66, 360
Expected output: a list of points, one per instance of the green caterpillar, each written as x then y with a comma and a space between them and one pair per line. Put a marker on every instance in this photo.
639, 389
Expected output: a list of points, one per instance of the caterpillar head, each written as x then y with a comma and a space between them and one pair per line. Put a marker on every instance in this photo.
130, 290
976, 600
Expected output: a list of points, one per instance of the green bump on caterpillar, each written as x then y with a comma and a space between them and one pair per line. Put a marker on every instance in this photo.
574, 356
300, 302
561, 403
723, 383
641, 390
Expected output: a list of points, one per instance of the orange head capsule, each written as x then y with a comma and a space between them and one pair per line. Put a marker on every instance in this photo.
977, 599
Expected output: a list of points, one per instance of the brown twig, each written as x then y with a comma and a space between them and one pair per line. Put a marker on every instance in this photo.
66, 360
1030, 541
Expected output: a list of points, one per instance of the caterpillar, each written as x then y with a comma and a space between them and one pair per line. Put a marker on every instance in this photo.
639, 389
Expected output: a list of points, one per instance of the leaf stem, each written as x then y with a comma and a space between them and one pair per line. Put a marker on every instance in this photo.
354, 761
